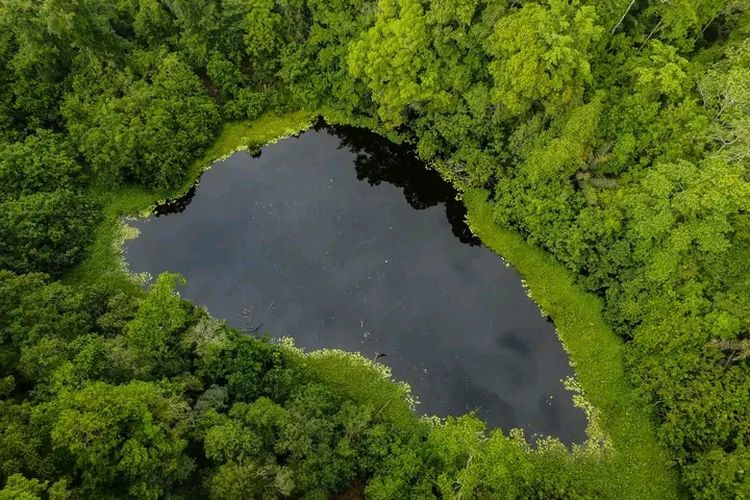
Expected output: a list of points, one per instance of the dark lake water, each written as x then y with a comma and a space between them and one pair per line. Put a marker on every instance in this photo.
340, 239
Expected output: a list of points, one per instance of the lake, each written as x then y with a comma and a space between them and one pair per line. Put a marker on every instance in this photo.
341, 239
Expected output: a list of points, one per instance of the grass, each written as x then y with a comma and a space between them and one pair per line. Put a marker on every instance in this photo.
618, 414
104, 261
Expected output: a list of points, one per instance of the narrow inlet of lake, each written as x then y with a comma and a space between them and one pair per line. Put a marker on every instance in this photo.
341, 239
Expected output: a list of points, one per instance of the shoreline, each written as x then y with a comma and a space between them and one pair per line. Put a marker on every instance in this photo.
620, 432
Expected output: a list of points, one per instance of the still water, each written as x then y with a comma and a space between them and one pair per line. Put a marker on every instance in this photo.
341, 239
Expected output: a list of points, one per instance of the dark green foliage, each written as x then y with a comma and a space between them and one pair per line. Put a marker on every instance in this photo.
45, 222
46, 232
142, 128
139, 441
612, 134
326, 443
42, 162
262, 420
628, 163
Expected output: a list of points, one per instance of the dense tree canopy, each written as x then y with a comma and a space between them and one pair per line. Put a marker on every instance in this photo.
615, 135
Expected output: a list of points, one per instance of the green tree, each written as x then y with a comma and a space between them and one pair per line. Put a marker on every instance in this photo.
152, 335
726, 92
45, 232
263, 36
394, 59
541, 56
150, 134
42, 162
131, 435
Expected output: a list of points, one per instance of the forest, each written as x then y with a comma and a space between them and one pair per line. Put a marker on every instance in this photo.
611, 135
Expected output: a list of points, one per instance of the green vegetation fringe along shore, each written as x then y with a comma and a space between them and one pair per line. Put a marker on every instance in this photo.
601, 146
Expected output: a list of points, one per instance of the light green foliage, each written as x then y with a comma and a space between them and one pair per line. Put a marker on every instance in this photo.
234, 481
722, 475
657, 113
665, 73
611, 134
395, 59
364, 382
682, 209
679, 21
541, 55
726, 91
20, 488
475, 466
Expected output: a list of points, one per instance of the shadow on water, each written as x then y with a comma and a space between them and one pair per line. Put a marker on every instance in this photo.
177, 205
377, 160
297, 243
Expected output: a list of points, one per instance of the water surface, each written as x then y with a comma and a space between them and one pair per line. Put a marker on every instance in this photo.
340, 239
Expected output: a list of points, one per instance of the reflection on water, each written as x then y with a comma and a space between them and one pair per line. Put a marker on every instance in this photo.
293, 242
176, 205
379, 160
